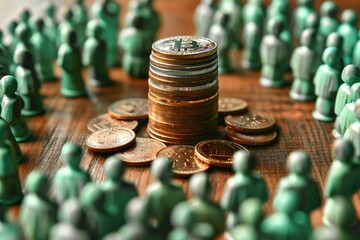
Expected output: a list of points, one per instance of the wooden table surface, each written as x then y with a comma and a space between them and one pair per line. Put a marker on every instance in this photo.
66, 119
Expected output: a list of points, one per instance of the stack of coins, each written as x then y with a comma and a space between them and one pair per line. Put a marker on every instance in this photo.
183, 90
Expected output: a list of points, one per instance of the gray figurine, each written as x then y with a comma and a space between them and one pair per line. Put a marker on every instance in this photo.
352, 133
203, 17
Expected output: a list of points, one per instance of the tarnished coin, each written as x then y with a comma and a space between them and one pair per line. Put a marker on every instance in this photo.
232, 106
251, 122
217, 152
185, 162
105, 121
110, 139
129, 109
258, 139
143, 152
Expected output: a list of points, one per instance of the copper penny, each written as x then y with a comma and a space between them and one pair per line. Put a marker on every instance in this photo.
129, 109
143, 152
105, 121
259, 139
217, 152
110, 139
185, 162
251, 122
232, 106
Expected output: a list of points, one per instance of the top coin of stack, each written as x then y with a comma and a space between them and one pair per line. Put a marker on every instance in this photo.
183, 90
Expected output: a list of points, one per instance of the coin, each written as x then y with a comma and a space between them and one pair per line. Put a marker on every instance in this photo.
251, 122
185, 162
232, 106
217, 152
259, 139
110, 139
143, 152
173, 61
129, 109
105, 121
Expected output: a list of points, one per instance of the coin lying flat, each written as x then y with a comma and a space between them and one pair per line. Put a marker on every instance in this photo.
251, 122
110, 139
105, 121
232, 106
217, 152
185, 162
129, 109
143, 152
258, 139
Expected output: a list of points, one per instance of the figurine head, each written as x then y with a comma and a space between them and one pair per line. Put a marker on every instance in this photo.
287, 201
23, 58
49, 9
22, 33
71, 155
275, 26
68, 14
200, 185
138, 22
25, 15
92, 196
349, 16
331, 56
72, 212
9, 85
351, 74
69, 36
334, 40
161, 169
244, 162
37, 183
94, 29
328, 9
183, 216
251, 211
357, 109
114, 168
134, 211
39, 24
298, 163
343, 150
312, 21
308, 37
80, 2
221, 18
12, 27
343, 212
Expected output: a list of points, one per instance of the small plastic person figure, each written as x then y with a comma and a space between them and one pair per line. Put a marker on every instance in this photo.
37, 212
11, 106
312, 22
233, 9
80, 18
118, 192
163, 195
71, 222
348, 30
203, 17
5, 57
94, 54
10, 186
356, 52
136, 45
70, 180
67, 23
304, 64
328, 21
108, 12
44, 51
51, 24
303, 9
23, 35
336, 40
69, 59
25, 16
244, 184
327, 82
352, 133
223, 35
11, 27
273, 52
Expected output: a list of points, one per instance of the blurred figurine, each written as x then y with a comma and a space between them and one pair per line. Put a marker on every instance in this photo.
356, 52
70, 180
37, 212
10, 137
5, 57
11, 27
108, 12
94, 54
80, 19
303, 9
273, 52
67, 23
244, 184
233, 9
348, 30
8, 230
118, 191
69, 59
304, 64
25, 16
28, 84
312, 22
328, 21
352, 133
23, 36
44, 51
11, 106
203, 17
336, 40
223, 36
51, 24
327, 82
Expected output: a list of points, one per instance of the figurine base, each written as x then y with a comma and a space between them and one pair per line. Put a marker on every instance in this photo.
335, 133
321, 117
72, 94
23, 138
31, 113
270, 83
301, 98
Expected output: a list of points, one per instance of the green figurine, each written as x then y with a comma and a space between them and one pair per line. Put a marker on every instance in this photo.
25, 16
328, 21
44, 51
94, 54
5, 57
348, 30
37, 212
136, 45
69, 59
233, 9
163, 195
10, 137
23, 35
70, 180
304, 64
303, 9
13, 41
356, 52
118, 192
203, 17
71, 222
223, 35
108, 12
244, 184
336, 40
327, 82
80, 18
352, 133
273, 52
10, 186
51, 24
312, 22
67, 23
8, 230
28, 84
11, 106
